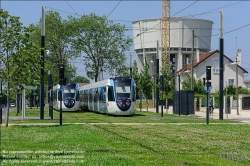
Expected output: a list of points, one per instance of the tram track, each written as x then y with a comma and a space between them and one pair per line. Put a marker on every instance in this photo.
141, 145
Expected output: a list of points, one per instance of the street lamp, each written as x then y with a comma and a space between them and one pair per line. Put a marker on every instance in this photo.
50, 88
153, 77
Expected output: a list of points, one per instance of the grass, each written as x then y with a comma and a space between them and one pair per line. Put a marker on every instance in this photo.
138, 144
33, 115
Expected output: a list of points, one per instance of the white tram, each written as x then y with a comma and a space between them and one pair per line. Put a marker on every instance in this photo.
115, 96
70, 97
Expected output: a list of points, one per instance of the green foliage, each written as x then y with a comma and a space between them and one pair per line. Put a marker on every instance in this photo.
80, 79
198, 86
242, 90
169, 81
18, 52
102, 43
58, 36
136, 77
231, 90
146, 81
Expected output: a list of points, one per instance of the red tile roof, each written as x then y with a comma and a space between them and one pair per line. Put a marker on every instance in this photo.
246, 81
203, 57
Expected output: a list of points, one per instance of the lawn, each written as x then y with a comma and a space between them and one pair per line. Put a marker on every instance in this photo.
118, 144
33, 116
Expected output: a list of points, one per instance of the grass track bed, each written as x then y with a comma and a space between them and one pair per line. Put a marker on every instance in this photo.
95, 144
33, 116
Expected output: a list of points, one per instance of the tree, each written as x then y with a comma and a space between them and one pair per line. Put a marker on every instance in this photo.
80, 79
136, 77
169, 80
18, 54
231, 90
198, 86
146, 81
102, 43
58, 35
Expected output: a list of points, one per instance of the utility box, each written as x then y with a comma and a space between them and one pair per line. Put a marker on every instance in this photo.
184, 104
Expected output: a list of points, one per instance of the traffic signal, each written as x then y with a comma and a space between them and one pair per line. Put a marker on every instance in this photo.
173, 67
208, 72
61, 71
161, 83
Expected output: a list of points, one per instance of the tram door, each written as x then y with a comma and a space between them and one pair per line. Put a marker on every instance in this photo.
96, 100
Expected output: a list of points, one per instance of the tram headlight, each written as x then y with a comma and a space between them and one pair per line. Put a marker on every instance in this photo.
119, 103
128, 103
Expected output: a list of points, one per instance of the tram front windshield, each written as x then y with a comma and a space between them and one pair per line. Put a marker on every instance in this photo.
69, 92
122, 89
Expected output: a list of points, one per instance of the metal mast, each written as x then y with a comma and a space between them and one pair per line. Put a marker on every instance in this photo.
165, 32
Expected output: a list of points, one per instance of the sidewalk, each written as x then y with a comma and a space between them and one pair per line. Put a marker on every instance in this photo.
243, 117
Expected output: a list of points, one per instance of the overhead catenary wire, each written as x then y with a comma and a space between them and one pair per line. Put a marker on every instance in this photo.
213, 10
237, 28
114, 8
160, 22
70, 6
207, 12
202, 13
206, 29
148, 30
185, 8
204, 42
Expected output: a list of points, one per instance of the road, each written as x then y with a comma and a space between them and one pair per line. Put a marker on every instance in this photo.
4, 110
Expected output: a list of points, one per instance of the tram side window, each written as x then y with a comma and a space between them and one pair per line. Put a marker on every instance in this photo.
102, 96
85, 96
110, 94
90, 96
104, 93
77, 96
133, 94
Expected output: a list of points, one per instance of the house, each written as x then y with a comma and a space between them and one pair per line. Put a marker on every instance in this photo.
212, 59
247, 84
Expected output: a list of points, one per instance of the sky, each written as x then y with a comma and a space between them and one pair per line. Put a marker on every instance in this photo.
236, 18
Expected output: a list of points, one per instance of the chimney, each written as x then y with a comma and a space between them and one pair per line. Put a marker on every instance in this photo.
197, 55
239, 57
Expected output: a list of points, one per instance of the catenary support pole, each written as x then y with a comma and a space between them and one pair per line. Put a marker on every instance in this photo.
207, 117
221, 65
157, 77
42, 65
192, 67
179, 80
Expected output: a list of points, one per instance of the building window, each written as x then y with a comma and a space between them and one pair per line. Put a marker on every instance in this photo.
216, 65
150, 49
139, 50
175, 49
230, 82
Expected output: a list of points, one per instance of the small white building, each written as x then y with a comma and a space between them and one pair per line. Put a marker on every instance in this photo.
212, 59
247, 84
